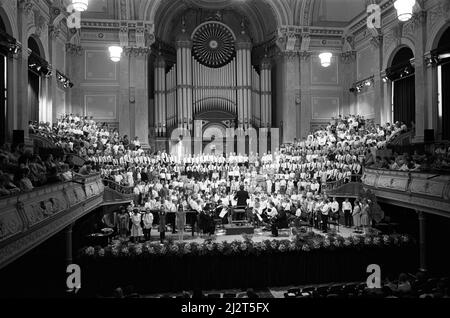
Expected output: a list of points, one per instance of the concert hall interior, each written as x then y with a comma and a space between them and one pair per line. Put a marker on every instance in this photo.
224, 148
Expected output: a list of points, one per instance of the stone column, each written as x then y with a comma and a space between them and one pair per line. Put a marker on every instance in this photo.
305, 113
288, 91
422, 240
69, 246
139, 99
421, 121
124, 97
160, 96
386, 111
266, 92
244, 68
349, 77
184, 80
432, 95
22, 107
52, 85
377, 46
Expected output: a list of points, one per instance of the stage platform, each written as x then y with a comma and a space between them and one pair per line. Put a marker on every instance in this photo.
259, 234
235, 229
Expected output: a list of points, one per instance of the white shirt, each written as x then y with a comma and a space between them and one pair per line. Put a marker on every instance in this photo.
346, 206
334, 206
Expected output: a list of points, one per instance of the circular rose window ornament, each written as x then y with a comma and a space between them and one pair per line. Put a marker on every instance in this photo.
213, 44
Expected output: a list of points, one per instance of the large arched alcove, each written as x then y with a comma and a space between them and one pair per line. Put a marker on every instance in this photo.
401, 73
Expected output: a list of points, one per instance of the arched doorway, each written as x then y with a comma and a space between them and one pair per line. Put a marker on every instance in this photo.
34, 81
401, 73
443, 70
214, 136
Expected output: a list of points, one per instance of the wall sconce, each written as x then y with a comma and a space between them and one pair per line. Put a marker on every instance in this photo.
404, 9
115, 52
80, 5
325, 59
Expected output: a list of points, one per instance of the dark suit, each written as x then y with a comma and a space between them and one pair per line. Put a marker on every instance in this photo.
241, 197
162, 225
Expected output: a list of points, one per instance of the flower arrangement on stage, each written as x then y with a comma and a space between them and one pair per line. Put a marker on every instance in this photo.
303, 242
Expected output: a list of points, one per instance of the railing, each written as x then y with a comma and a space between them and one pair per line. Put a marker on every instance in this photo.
28, 218
118, 187
428, 192
333, 185
402, 139
41, 141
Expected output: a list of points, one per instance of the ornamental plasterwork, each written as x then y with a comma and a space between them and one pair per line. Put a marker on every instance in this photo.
437, 13
288, 38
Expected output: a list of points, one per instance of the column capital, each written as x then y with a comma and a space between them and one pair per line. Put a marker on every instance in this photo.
289, 55
377, 41
289, 37
348, 57
243, 46
26, 6
74, 49
53, 31
304, 55
137, 51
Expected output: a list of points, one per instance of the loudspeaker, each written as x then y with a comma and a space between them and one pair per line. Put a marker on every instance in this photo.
18, 137
428, 135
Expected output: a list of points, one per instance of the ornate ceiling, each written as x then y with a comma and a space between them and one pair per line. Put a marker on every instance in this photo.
264, 15
263, 20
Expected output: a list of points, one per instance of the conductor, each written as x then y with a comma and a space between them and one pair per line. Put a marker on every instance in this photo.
241, 197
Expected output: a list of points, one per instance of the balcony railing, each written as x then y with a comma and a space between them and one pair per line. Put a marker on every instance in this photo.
28, 218
427, 192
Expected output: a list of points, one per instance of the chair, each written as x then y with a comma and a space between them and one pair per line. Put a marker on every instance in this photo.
334, 220
309, 289
295, 291
289, 295
349, 288
322, 291
303, 221
336, 289
239, 213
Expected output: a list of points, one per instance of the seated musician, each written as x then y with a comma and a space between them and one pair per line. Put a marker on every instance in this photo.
272, 216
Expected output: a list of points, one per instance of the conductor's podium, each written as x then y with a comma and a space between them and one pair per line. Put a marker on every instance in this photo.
238, 229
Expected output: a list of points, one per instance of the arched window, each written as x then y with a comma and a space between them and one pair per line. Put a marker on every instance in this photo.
401, 73
443, 53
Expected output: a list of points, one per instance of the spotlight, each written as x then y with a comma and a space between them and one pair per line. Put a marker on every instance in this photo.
444, 56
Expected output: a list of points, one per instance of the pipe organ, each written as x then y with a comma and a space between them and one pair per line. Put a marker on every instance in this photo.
213, 72
214, 88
